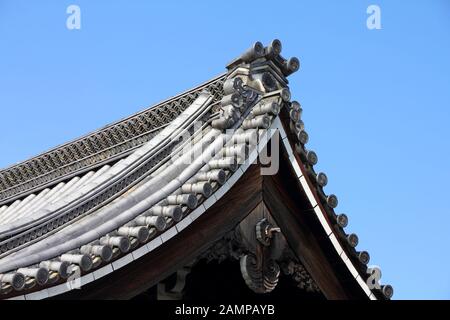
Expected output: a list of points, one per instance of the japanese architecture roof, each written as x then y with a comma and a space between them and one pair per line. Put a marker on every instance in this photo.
94, 206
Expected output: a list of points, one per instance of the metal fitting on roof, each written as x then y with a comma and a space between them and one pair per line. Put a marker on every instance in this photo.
15, 279
157, 221
102, 251
217, 175
39, 274
332, 201
273, 49
204, 188
290, 66
312, 158
61, 267
84, 261
285, 94
172, 211
188, 200
363, 257
342, 220
322, 179
233, 99
387, 290
141, 233
123, 243
303, 137
352, 240
272, 108
231, 85
229, 163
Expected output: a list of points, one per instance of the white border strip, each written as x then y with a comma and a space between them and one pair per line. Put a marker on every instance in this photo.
321, 215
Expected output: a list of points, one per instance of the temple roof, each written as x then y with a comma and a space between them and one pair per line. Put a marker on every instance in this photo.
97, 204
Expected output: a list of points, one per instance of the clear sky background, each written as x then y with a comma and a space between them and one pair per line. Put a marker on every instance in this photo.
376, 102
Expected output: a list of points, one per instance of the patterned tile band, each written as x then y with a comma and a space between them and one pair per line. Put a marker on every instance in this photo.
97, 148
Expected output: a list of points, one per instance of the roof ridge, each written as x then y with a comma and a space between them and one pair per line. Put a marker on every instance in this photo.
96, 148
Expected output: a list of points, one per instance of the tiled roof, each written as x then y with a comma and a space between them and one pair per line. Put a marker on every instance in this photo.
103, 218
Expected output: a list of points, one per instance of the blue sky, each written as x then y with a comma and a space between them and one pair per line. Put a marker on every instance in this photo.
376, 102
